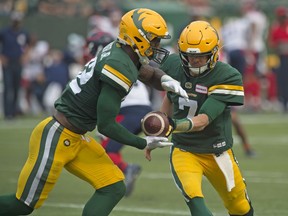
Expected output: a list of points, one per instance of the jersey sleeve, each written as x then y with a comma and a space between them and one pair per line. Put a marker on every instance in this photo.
230, 90
118, 75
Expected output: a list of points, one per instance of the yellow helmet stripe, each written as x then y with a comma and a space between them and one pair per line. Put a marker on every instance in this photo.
117, 77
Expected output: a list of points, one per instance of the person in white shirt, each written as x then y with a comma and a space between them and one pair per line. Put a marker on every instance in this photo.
257, 35
234, 35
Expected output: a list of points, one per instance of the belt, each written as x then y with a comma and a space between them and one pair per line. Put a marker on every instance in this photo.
61, 118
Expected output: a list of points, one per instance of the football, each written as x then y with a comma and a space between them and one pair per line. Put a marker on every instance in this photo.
156, 123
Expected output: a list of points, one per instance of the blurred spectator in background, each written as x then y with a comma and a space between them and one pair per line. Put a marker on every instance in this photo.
278, 41
95, 43
256, 54
6, 7
56, 73
58, 70
97, 22
257, 36
73, 53
244, 45
105, 20
33, 79
234, 34
13, 40
114, 15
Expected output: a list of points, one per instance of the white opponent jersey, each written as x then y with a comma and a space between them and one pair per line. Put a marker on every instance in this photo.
138, 95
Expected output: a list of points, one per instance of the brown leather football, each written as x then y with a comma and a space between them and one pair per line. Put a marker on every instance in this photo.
156, 123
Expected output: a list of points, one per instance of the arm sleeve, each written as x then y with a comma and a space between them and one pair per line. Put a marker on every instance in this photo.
212, 108
230, 91
108, 106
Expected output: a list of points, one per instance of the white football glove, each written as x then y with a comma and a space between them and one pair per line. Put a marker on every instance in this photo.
170, 84
156, 142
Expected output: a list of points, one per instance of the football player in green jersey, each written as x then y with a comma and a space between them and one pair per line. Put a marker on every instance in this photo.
94, 98
202, 135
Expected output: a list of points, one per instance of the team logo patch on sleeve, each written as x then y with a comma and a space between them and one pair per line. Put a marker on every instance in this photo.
117, 77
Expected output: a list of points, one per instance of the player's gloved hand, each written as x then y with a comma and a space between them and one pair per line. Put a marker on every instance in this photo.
157, 142
172, 125
170, 84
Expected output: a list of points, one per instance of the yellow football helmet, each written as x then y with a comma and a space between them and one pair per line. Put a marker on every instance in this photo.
138, 28
199, 38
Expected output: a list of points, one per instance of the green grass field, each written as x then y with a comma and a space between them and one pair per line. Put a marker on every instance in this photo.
155, 193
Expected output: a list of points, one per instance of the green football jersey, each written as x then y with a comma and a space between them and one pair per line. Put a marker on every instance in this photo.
79, 99
223, 83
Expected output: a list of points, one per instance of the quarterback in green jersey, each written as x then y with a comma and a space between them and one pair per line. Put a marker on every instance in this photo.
202, 135
93, 99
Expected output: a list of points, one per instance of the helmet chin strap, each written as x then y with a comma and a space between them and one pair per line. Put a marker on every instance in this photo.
143, 59
197, 71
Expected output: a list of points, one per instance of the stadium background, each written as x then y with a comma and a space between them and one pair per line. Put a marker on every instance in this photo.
55, 28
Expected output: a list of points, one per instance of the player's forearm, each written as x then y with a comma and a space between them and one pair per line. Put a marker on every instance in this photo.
108, 107
117, 132
200, 122
197, 123
151, 76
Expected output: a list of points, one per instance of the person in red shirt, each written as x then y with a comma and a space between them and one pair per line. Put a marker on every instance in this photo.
278, 41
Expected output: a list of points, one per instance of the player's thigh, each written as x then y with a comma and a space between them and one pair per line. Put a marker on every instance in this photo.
93, 165
236, 200
47, 155
187, 172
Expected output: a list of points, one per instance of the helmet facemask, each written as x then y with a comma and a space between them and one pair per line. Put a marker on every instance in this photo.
194, 71
155, 52
159, 55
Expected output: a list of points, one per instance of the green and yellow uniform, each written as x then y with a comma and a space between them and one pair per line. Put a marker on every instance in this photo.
79, 100
92, 98
198, 153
